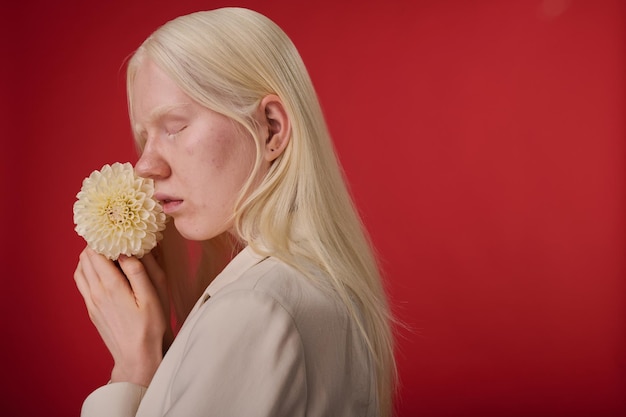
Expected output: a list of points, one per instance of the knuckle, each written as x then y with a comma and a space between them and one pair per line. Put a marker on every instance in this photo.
132, 266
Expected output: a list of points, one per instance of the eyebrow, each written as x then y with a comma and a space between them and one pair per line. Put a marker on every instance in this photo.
161, 111
158, 113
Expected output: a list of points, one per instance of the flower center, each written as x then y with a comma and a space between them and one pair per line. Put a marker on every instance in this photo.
119, 211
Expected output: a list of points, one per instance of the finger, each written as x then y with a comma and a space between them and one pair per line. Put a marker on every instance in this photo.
159, 280
157, 253
85, 291
108, 287
81, 283
137, 278
155, 272
91, 275
104, 274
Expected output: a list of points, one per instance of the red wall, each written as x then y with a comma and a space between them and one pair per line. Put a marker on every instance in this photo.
484, 142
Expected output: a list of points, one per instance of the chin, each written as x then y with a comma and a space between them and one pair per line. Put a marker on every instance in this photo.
187, 231
193, 232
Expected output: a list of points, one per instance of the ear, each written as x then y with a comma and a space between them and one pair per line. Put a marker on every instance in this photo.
275, 125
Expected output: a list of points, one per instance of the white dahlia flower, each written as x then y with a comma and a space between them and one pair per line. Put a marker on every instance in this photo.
116, 212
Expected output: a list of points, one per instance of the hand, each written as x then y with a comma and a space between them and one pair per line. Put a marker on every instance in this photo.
127, 312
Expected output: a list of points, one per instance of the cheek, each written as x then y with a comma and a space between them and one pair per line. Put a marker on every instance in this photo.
220, 153
234, 153
246, 149
204, 152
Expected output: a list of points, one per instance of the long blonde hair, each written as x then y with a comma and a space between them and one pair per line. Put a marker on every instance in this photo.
302, 213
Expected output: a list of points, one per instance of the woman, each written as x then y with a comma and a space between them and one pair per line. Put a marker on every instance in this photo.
230, 129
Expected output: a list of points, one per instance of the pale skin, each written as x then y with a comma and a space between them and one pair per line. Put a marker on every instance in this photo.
198, 161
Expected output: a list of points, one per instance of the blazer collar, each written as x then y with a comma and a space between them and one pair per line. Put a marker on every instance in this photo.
243, 261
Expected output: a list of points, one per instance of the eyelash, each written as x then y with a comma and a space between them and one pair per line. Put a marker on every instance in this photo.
174, 134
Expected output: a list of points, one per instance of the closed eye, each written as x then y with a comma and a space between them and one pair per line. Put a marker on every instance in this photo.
175, 133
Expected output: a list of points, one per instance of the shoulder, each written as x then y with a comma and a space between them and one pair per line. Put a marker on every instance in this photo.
268, 306
280, 283
274, 323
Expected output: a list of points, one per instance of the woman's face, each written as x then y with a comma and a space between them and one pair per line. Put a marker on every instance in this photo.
198, 159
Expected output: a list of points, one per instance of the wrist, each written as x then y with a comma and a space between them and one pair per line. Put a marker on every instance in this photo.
139, 372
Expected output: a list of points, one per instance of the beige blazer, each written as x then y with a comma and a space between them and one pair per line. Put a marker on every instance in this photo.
261, 341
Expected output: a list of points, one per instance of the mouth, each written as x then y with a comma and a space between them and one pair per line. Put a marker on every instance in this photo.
168, 203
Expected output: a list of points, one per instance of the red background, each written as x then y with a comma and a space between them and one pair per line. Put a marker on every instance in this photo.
484, 144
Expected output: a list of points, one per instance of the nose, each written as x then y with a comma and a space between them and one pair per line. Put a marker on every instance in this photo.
151, 163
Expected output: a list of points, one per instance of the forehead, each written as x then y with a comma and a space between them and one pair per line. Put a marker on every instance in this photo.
155, 94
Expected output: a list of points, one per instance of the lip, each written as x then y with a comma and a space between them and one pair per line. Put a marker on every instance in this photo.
169, 203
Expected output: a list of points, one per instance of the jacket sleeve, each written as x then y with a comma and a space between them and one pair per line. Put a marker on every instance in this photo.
119, 399
244, 358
